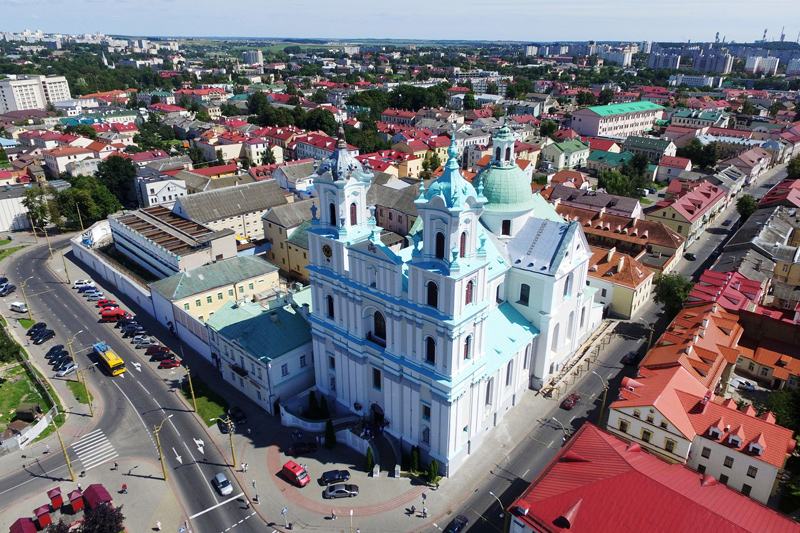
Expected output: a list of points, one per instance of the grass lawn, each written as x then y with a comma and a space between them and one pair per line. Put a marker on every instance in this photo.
209, 403
5, 252
26, 323
78, 390
4, 242
645, 201
16, 388
660, 185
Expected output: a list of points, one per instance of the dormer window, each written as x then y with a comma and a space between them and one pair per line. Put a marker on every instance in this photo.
714, 433
756, 449
735, 441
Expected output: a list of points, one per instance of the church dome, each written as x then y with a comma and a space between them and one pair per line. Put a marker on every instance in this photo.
342, 164
505, 185
451, 185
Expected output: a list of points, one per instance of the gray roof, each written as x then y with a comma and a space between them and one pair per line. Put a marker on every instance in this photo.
785, 291
291, 214
749, 263
299, 236
767, 231
197, 182
401, 200
232, 201
593, 198
646, 143
176, 161
220, 274
296, 172
540, 245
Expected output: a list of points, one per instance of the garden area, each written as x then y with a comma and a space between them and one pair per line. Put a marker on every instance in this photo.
210, 405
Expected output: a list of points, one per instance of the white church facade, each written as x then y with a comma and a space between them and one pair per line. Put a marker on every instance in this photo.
441, 338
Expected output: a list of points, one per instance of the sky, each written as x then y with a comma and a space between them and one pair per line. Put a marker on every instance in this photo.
495, 20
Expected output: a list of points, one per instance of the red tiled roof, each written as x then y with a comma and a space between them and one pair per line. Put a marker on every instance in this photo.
61, 151
694, 203
598, 483
599, 144
732, 290
605, 265
635, 231
400, 113
675, 162
213, 171
786, 193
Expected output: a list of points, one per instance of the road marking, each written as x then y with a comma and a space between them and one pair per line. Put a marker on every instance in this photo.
143, 388
134, 409
218, 505
94, 449
526, 472
194, 461
551, 443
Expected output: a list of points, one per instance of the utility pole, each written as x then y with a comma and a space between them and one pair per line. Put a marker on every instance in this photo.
22, 287
64, 449
156, 430
65, 266
194, 401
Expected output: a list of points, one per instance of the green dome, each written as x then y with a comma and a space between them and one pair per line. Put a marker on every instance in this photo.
506, 188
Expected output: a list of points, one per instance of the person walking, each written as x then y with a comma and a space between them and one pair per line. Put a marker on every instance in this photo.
116, 465
424, 512
245, 467
242, 467
333, 514
124, 488
79, 486
158, 526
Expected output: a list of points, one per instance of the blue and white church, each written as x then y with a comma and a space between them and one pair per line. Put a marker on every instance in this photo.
441, 338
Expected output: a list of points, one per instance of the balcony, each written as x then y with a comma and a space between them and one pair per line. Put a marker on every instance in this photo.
239, 370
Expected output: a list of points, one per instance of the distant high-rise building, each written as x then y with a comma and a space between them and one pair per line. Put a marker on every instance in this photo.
32, 92
761, 65
620, 57
646, 47
793, 67
253, 57
721, 63
351, 50
531, 50
657, 61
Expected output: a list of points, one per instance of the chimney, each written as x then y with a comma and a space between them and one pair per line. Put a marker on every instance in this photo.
705, 322
273, 316
713, 308
610, 254
620, 264
702, 332
695, 337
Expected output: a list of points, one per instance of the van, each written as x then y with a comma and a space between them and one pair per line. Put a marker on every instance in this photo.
19, 307
295, 473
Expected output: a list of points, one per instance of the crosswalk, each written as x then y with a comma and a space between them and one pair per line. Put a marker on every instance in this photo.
94, 449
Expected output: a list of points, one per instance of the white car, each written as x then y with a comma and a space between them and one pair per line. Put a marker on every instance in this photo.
95, 296
82, 283
70, 368
222, 484
139, 339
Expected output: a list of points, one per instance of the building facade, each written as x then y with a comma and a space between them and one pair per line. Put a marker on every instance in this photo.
32, 92
616, 120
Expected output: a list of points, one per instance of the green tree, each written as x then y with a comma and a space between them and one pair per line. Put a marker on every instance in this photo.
220, 158
606, 96
672, 290
433, 471
118, 175
585, 98
323, 407
491, 88
793, 168
313, 405
774, 108
746, 205
748, 108
184, 101
547, 128
257, 103
103, 519
35, 202
414, 459
268, 156
320, 96
784, 404
58, 527
203, 116
370, 462
321, 119
709, 156
291, 89
615, 182
155, 99
330, 435
435, 161
196, 154
82, 129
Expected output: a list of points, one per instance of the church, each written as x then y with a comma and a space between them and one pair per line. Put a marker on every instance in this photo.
442, 337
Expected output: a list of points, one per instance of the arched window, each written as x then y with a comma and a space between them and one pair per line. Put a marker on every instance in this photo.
433, 294
468, 293
497, 154
353, 214
329, 301
508, 154
583, 318
524, 294
462, 247
571, 324
439, 245
554, 344
468, 347
430, 350
332, 214
372, 276
379, 326
568, 286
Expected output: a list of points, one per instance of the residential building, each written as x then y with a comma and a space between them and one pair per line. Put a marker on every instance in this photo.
767, 355
670, 167
567, 154
253, 57
752, 163
570, 178
297, 252
596, 201
197, 182
616, 120
652, 147
237, 208
32, 92
315, 146
732, 290
785, 193
721, 63
441, 337
668, 412
623, 284
164, 243
395, 209
398, 116
57, 160
664, 61
295, 176
597, 482
761, 65
693, 118
159, 191
279, 223
691, 210
600, 160
695, 81
793, 67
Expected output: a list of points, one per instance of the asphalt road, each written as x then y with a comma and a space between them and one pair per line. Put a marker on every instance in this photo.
134, 403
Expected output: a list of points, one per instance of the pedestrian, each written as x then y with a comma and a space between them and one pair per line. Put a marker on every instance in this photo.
424, 512
245, 467
248, 431
333, 514
116, 466
124, 488
79, 486
158, 526
242, 467
47, 449
247, 504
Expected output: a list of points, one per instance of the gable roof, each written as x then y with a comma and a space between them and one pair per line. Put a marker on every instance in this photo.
207, 277
541, 245
232, 201
620, 109
290, 215
605, 265
299, 236
692, 202
639, 232
646, 143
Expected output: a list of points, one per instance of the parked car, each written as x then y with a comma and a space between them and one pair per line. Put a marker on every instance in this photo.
222, 484
223, 426
156, 348
161, 356
133, 331
334, 476
652, 190
145, 342
82, 283
133, 326
57, 355
727, 222
742, 384
169, 363
36, 327
95, 296
690, 256
570, 401
44, 337
8, 289
53, 350
299, 448
139, 338
238, 416
91, 290
630, 358
457, 524
63, 363
3, 280
109, 305
125, 322
104, 300
87, 288
67, 369
340, 490
55, 360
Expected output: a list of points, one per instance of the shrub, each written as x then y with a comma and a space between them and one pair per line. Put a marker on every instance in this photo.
330, 435
433, 471
370, 460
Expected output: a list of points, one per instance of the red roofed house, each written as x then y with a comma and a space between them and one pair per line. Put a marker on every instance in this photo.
606, 145
732, 290
399, 164
567, 135
57, 159
623, 283
691, 210
398, 116
753, 162
671, 414
598, 483
220, 171
785, 193
671, 166
475, 114
318, 146
570, 178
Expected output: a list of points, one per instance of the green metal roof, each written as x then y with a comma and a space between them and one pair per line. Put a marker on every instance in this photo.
260, 334
571, 145
619, 109
694, 113
299, 236
507, 332
507, 189
205, 278
545, 210
612, 158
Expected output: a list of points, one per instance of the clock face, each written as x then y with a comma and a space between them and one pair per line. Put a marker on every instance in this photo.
326, 251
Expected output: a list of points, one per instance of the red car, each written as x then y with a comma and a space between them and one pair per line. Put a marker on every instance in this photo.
152, 350
570, 401
103, 302
169, 363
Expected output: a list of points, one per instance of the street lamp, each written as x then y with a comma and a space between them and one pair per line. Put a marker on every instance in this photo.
605, 391
64, 449
80, 374
189, 378
158, 441
498, 503
228, 422
66, 271
564, 429
46, 236
22, 287
652, 328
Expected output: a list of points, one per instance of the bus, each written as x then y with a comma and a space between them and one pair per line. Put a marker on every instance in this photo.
111, 361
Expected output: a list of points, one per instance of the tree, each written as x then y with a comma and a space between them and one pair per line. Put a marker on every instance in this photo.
203, 116
606, 96
313, 405
220, 158
58, 527
433, 471
672, 290
103, 519
82, 129
330, 435
323, 407
435, 161
196, 154
370, 463
774, 108
321, 119
701, 156
469, 101
548, 128
585, 98
746, 205
783, 403
793, 168
155, 99
118, 175
414, 467
268, 156
491, 88
709, 156
93, 200
320, 96
35, 202
291, 89
748, 108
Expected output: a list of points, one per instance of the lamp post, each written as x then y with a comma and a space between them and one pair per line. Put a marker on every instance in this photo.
194, 401
498, 503
66, 271
158, 441
64, 449
652, 328
228, 422
81, 376
46, 236
605, 392
78, 209
564, 429
22, 288
33, 228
